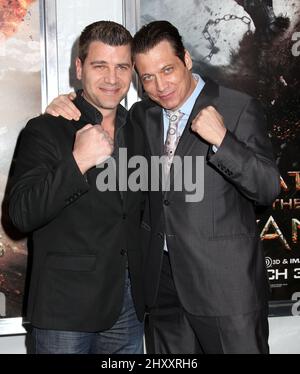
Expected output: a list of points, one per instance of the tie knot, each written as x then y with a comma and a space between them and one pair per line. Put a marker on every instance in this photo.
174, 115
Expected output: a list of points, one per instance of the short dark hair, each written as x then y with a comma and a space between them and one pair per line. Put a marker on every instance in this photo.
155, 32
107, 32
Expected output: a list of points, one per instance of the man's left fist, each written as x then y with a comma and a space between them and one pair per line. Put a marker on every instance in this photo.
210, 126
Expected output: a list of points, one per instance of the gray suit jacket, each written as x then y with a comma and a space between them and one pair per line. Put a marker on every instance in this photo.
215, 252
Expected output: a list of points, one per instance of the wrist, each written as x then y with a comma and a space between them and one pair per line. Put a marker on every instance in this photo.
220, 140
82, 164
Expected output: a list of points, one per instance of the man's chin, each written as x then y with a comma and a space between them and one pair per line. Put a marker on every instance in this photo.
166, 104
108, 105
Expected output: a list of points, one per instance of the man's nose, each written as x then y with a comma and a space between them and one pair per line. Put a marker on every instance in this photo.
111, 76
160, 84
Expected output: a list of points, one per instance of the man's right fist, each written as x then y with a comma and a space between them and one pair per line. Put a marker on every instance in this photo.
92, 146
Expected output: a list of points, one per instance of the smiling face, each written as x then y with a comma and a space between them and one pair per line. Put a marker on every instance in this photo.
106, 75
165, 78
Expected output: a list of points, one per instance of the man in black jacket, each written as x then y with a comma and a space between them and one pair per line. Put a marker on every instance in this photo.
85, 288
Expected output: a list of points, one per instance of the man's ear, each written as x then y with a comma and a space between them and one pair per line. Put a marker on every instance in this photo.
78, 64
188, 60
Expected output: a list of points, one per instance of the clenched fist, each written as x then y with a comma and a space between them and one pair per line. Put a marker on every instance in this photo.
92, 146
209, 125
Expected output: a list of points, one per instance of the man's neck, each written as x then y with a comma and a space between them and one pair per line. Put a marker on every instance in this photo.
108, 123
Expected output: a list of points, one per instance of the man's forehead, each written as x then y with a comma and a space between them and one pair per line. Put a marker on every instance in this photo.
104, 53
97, 46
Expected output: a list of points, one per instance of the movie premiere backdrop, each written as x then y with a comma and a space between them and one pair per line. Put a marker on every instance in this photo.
249, 45
20, 85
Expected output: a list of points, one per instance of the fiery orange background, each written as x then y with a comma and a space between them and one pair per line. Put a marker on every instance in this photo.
12, 13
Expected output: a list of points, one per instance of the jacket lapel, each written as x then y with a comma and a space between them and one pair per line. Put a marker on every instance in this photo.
154, 129
122, 141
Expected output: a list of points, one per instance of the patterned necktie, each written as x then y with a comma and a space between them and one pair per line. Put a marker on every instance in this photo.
172, 138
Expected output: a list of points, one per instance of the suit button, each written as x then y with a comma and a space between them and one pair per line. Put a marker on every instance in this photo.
123, 252
166, 202
124, 216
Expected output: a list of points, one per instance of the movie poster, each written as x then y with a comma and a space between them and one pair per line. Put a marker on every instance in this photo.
20, 82
254, 46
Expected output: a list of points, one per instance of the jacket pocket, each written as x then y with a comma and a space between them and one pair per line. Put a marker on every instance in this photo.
145, 226
233, 236
71, 262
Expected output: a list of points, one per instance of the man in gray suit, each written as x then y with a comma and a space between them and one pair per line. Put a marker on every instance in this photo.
206, 285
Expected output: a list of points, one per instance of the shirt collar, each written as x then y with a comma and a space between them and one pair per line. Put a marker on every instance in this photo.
89, 113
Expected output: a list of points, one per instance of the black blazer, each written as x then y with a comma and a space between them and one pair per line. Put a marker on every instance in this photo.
215, 252
81, 237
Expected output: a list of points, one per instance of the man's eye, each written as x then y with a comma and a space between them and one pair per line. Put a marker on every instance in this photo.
147, 78
123, 68
168, 70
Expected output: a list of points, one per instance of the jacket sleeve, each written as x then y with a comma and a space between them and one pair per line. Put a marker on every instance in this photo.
42, 183
245, 157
